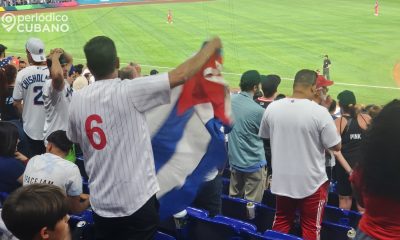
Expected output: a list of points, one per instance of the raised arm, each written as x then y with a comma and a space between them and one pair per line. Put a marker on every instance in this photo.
56, 71
191, 66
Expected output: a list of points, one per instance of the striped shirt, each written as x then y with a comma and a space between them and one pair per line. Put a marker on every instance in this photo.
107, 119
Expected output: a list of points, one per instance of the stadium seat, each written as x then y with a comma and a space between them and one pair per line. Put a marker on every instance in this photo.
200, 228
341, 216
235, 223
225, 186
333, 231
237, 208
269, 199
196, 212
85, 186
3, 196
280, 236
163, 236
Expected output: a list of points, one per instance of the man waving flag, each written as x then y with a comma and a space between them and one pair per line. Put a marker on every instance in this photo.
187, 136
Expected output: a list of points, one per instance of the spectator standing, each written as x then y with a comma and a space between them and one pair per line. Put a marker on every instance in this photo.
57, 92
269, 86
352, 127
28, 96
376, 178
245, 147
4, 61
300, 131
7, 82
107, 119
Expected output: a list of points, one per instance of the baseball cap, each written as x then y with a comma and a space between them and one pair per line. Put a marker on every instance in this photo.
35, 47
2, 48
323, 82
270, 83
347, 98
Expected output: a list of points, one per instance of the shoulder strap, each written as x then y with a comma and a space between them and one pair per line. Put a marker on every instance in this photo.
349, 120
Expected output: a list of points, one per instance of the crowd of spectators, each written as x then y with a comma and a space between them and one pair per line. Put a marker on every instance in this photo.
7, 3
293, 145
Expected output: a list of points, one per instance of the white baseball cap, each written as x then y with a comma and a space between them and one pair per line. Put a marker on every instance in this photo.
35, 47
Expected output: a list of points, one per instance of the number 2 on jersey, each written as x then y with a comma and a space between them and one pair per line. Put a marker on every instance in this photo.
92, 131
38, 100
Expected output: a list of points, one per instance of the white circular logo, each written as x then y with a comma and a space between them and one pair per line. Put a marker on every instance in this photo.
8, 21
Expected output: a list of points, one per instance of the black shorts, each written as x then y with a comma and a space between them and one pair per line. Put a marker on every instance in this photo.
343, 186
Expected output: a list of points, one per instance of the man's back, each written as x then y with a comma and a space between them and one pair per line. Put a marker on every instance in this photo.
28, 87
52, 169
56, 105
245, 146
107, 119
300, 131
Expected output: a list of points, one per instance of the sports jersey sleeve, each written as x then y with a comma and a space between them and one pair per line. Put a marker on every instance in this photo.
149, 92
72, 128
74, 184
18, 90
329, 134
264, 131
51, 95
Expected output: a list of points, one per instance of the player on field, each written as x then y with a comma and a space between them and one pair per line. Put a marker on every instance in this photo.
169, 17
28, 97
107, 119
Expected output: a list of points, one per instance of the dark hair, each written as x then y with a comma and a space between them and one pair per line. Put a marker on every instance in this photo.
11, 73
249, 79
381, 150
9, 139
153, 72
101, 56
305, 77
33, 207
78, 68
60, 140
332, 107
3, 89
269, 84
350, 109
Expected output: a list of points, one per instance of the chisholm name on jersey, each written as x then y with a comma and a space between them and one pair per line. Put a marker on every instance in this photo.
33, 79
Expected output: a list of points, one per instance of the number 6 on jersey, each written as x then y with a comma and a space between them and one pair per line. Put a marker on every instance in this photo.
95, 132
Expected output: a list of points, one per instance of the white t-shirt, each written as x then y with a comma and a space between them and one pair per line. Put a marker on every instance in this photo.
28, 87
56, 105
107, 119
52, 169
300, 130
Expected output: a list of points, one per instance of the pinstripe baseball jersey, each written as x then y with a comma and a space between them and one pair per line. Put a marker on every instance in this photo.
56, 107
107, 119
28, 87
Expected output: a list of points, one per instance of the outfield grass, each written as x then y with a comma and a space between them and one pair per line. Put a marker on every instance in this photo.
272, 36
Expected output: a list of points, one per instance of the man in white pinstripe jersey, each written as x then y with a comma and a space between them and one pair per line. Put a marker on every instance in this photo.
107, 119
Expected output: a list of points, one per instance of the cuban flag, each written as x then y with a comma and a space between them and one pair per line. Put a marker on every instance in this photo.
188, 136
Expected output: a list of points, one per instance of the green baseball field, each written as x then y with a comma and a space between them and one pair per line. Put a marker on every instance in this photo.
271, 36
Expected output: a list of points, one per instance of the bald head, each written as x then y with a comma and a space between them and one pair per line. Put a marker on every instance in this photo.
305, 78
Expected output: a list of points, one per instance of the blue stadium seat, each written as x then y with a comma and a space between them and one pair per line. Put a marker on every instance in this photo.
280, 236
251, 235
163, 236
196, 212
82, 225
341, 216
333, 231
225, 186
86, 216
200, 228
85, 186
269, 199
236, 208
3, 196
235, 223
